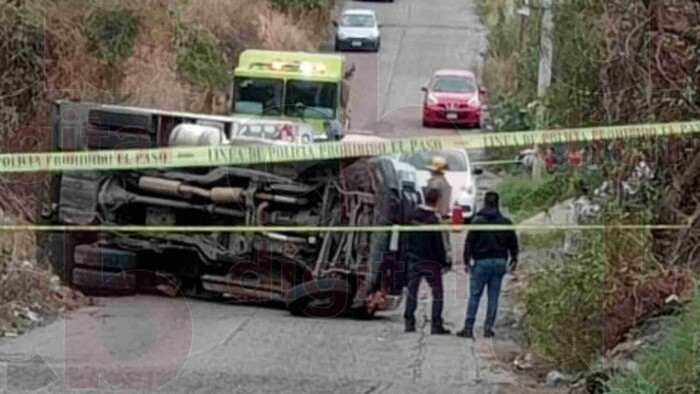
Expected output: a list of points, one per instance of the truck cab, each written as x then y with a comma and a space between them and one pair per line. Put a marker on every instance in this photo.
308, 91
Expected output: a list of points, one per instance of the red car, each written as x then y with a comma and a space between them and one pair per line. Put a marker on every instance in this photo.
453, 97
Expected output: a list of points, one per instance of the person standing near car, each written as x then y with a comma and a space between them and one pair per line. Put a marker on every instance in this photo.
490, 251
438, 181
426, 258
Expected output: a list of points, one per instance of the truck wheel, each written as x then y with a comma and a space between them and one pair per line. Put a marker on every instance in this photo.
60, 250
95, 256
99, 282
326, 297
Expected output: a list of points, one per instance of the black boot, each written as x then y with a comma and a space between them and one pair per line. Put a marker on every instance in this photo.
467, 332
488, 333
410, 326
440, 330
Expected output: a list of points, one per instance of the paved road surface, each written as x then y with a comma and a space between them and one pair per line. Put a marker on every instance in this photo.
174, 345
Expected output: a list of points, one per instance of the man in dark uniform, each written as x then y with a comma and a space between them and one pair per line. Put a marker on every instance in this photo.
426, 258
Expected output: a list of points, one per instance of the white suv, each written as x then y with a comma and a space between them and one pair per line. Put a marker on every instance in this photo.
357, 29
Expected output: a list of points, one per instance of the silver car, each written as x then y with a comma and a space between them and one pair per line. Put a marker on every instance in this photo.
357, 29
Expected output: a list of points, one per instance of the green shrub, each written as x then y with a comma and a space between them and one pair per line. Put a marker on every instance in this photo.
111, 34
564, 307
199, 59
298, 5
524, 197
673, 366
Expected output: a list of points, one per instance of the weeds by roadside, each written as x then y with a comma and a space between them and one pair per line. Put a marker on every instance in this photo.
525, 197
542, 240
670, 367
564, 307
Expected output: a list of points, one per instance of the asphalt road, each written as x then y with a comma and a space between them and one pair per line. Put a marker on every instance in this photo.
150, 343
418, 38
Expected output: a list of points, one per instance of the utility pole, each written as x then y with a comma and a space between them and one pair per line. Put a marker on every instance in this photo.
524, 12
544, 76
545, 72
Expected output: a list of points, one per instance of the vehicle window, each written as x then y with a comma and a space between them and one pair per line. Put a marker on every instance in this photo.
454, 85
311, 100
354, 20
258, 96
455, 160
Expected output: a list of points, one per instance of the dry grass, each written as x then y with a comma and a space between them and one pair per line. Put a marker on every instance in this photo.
240, 24
231, 22
501, 74
148, 77
278, 31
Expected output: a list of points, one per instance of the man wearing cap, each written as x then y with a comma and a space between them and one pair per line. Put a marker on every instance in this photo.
437, 181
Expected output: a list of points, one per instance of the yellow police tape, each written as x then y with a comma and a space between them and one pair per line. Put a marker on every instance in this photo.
244, 155
332, 229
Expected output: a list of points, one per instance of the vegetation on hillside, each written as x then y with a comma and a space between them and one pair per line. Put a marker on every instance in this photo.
613, 64
167, 53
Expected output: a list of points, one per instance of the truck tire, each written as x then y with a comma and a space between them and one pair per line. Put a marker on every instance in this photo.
326, 297
100, 282
60, 250
95, 256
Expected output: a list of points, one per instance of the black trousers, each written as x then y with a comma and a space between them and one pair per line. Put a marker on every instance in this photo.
432, 272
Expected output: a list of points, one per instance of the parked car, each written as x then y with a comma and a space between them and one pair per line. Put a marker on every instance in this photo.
357, 29
459, 174
453, 97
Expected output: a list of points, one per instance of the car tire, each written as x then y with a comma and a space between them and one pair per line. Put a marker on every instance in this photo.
427, 123
327, 297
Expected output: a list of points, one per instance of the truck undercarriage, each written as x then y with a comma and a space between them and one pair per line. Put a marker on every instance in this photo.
312, 273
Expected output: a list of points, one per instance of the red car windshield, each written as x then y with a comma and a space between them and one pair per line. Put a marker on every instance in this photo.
454, 85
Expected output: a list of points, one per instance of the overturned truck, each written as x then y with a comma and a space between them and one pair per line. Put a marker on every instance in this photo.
311, 273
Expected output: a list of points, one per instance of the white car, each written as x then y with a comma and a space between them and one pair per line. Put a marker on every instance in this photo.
357, 29
459, 174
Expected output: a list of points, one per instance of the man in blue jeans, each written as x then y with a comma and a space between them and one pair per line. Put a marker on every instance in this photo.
490, 251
